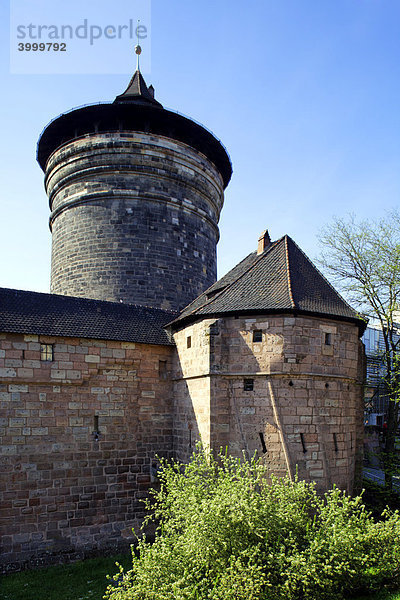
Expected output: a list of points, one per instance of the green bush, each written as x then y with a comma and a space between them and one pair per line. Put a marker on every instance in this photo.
223, 533
376, 498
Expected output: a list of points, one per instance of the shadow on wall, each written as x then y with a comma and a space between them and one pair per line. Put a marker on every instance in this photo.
272, 386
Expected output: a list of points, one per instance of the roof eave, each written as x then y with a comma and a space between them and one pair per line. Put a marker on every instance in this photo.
181, 323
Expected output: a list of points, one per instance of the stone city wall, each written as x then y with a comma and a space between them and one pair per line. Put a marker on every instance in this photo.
65, 490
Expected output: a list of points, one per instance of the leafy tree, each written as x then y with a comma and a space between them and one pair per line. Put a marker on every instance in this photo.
363, 258
224, 533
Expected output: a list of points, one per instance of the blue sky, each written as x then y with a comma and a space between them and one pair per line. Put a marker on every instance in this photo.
304, 94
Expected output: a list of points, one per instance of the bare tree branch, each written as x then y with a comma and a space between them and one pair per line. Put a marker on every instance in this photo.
363, 259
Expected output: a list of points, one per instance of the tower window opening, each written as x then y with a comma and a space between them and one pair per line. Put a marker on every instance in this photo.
263, 444
189, 341
96, 432
257, 335
335, 444
248, 385
47, 352
190, 427
328, 339
162, 369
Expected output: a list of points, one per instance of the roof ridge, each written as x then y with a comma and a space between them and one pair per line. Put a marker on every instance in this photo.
88, 300
229, 285
323, 276
139, 81
289, 281
39, 313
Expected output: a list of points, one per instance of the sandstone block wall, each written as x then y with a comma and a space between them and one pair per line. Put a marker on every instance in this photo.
292, 397
134, 218
62, 491
192, 388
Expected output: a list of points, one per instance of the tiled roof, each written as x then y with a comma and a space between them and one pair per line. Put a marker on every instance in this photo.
282, 278
137, 91
66, 316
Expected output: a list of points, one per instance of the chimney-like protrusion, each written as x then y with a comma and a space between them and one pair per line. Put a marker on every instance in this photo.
151, 90
263, 241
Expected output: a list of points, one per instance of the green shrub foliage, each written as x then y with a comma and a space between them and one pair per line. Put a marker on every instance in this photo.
224, 533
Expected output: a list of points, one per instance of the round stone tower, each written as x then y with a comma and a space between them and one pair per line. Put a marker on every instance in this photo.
135, 194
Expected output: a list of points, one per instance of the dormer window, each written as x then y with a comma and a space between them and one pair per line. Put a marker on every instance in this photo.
214, 292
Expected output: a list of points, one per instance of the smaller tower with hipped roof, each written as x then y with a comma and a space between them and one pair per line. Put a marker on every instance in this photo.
269, 360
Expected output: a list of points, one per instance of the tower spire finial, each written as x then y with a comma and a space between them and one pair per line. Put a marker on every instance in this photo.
138, 49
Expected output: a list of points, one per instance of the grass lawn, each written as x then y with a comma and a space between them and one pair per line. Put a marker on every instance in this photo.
84, 580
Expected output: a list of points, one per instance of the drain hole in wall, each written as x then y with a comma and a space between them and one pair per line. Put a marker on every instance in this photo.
290, 383
264, 447
327, 385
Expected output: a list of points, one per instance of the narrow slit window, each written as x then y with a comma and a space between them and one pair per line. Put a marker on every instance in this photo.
162, 369
328, 339
190, 427
335, 443
189, 341
248, 385
47, 352
263, 444
257, 335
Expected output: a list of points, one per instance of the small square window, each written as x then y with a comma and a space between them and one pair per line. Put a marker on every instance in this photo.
46, 352
257, 335
328, 339
248, 385
189, 341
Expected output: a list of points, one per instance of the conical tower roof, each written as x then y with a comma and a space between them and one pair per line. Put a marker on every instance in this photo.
134, 110
137, 92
